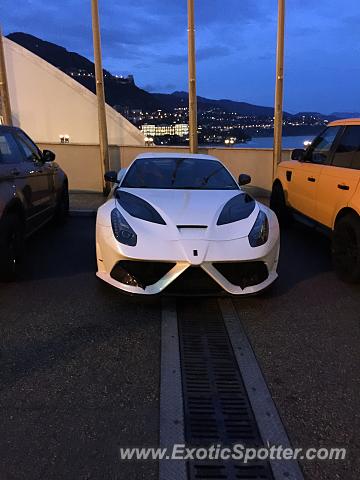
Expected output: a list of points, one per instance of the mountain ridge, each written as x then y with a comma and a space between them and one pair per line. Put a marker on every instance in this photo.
123, 93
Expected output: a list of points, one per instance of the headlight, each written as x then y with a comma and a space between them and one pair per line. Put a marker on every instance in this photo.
122, 230
139, 208
260, 232
237, 208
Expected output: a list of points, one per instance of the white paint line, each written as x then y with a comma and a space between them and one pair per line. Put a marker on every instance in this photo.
268, 419
171, 395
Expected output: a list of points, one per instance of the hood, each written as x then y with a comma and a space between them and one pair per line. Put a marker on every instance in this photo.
186, 207
192, 208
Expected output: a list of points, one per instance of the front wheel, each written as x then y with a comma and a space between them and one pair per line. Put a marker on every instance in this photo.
11, 246
346, 249
278, 205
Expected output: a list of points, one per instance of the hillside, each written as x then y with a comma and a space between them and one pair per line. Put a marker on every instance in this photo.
124, 93
117, 91
179, 99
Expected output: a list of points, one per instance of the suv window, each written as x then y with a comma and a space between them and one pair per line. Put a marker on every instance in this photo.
320, 149
30, 150
347, 153
9, 149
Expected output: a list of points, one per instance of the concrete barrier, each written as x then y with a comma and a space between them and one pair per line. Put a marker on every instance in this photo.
82, 162
254, 162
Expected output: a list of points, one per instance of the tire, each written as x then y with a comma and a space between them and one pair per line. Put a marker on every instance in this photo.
62, 207
278, 205
346, 249
11, 246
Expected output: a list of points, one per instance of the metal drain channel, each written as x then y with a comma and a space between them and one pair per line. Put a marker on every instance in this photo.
217, 409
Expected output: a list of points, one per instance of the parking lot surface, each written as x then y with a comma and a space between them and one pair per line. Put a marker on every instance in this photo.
80, 363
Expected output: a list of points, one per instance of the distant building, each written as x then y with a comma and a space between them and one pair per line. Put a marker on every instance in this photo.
182, 129
148, 130
129, 80
152, 130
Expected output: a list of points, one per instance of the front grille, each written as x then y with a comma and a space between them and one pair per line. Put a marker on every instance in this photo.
140, 274
194, 281
243, 274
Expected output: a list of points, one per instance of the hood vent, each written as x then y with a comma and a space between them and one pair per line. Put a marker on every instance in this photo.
181, 227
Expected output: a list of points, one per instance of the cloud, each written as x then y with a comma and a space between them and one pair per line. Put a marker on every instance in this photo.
159, 87
235, 40
203, 53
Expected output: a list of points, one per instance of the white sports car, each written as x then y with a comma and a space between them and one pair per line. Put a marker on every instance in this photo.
181, 222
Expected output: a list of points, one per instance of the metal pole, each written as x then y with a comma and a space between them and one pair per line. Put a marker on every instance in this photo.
100, 93
5, 106
192, 79
278, 117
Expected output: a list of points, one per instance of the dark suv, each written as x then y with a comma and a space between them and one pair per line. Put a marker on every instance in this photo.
33, 190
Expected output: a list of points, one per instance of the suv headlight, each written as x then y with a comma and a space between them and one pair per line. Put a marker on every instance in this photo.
122, 230
260, 232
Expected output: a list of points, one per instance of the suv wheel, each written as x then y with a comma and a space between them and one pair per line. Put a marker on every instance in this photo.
11, 246
62, 207
346, 249
278, 204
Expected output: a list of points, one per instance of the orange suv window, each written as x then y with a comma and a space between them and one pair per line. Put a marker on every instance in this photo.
320, 150
347, 153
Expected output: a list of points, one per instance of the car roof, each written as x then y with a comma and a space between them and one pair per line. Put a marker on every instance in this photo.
176, 155
345, 121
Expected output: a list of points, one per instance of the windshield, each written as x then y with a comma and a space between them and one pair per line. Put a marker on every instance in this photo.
179, 173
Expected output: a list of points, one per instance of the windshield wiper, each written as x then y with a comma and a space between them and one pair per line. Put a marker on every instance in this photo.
206, 179
177, 166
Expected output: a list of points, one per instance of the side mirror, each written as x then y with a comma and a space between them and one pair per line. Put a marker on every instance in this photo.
111, 176
298, 154
244, 179
48, 156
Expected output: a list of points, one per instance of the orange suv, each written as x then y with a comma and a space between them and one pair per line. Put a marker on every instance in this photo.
322, 183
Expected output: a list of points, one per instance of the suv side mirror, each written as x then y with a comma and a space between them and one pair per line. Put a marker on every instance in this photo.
298, 154
244, 179
111, 176
48, 156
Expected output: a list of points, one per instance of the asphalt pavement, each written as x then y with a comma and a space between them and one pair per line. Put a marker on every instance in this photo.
80, 363
79, 366
305, 333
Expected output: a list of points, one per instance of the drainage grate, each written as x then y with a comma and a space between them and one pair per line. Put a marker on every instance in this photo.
216, 406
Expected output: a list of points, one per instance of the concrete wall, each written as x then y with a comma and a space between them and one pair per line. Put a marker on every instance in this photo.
82, 162
47, 103
254, 162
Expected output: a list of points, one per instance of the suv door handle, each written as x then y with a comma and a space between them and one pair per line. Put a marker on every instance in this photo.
311, 179
343, 187
15, 171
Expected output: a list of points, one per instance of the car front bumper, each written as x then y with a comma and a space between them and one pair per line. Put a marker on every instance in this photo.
257, 267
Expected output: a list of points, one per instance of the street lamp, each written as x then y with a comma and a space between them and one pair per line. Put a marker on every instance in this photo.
149, 141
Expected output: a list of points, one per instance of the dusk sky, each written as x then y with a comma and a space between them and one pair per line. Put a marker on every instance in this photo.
236, 42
